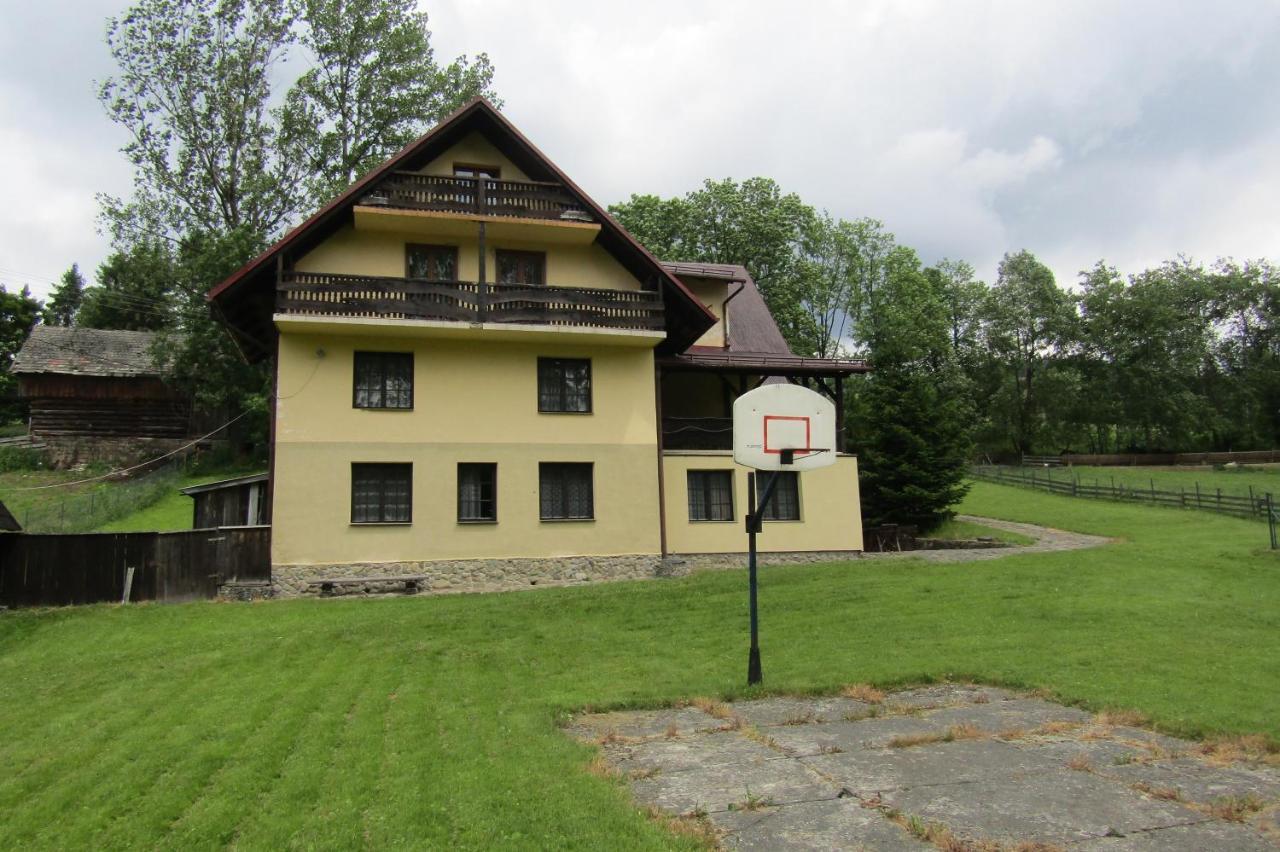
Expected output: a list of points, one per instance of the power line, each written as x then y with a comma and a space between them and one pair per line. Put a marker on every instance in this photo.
136, 466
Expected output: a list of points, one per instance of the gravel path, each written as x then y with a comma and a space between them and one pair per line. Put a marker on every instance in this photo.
1048, 540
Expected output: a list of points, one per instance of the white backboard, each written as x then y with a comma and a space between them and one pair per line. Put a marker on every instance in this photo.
773, 418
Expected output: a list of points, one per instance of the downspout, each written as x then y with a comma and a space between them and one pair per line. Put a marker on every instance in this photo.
662, 489
724, 308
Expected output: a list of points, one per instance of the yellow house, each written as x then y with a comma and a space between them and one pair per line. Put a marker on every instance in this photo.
482, 381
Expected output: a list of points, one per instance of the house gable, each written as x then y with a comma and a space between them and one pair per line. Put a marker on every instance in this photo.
245, 300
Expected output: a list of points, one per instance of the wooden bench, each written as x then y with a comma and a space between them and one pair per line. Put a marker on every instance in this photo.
412, 583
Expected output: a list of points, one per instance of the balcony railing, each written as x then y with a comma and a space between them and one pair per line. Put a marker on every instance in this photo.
323, 294
484, 196
697, 433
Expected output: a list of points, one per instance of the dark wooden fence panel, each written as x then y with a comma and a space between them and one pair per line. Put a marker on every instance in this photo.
58, 570
1159, 459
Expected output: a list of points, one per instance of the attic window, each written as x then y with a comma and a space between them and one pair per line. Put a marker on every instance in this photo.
473, 170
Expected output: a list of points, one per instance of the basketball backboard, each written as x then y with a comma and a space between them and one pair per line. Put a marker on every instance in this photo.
773, 418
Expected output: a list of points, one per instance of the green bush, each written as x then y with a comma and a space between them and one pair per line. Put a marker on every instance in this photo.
21, 458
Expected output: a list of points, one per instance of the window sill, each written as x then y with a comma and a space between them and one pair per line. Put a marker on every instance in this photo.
380, 408
713, 521
473, 522
566, 520
579, 413
381, 523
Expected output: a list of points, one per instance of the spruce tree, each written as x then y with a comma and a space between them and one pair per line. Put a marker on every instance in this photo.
913, 415
65, 300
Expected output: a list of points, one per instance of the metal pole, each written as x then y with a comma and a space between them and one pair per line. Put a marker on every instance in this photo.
754, 522
754, 675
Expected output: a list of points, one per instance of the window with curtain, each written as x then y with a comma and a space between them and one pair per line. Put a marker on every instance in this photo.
381, 493
565, 491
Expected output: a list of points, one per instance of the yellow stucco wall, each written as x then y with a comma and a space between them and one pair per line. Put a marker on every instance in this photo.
472, 403
712, 293
359, 252
473, 149
830, 513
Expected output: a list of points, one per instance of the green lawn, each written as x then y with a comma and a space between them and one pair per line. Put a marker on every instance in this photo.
151, 502
1237, 481
431, 722
957, 529
173, 511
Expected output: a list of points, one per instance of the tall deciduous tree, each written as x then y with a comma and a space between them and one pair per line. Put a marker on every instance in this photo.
193, 89
65, 300
19, 313
1026, 316
373, 85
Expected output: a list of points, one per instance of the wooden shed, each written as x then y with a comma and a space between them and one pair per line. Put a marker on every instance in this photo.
237, 502
97, 394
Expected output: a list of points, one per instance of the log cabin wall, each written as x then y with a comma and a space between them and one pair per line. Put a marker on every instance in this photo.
67, 406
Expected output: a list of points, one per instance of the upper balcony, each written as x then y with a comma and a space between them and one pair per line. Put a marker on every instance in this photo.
308, 298
514, 209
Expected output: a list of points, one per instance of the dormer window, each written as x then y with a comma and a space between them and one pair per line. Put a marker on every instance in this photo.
471, 170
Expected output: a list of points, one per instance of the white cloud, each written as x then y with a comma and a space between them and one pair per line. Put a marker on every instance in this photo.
1084, 130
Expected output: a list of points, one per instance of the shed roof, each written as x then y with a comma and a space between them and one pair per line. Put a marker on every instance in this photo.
234, 482
87, 352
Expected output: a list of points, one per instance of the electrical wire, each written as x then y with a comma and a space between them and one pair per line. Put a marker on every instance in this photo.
136, 466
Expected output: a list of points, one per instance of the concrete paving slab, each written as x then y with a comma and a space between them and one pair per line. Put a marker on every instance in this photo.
1024, 714
716, 788
867, 772
690, 751
767, 712
1201, 782
1049, 807
805, 785
642, 723
942, 694
1100, 754
832, 824
850, 736
1200, 837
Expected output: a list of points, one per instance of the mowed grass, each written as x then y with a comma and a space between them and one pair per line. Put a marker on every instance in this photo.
1236, 482
956, 529
432, 722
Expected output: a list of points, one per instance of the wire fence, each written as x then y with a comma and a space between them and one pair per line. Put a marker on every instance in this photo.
1255, 505
93, 507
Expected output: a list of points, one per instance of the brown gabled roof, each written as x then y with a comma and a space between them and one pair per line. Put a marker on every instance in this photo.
87, 352
751, 326
687, 317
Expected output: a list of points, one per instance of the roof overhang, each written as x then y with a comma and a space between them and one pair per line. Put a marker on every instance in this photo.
244, 301
762, 364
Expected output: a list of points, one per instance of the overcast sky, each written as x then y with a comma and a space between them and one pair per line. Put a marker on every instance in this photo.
1129, 131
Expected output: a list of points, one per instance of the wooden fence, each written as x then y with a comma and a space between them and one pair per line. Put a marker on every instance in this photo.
1252, 506
1156, 459
58, 570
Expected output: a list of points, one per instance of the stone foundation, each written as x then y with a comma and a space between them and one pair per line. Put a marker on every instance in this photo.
496, 575
468, 575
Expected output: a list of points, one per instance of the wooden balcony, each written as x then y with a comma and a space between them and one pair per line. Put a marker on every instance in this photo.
476, 196
359, 296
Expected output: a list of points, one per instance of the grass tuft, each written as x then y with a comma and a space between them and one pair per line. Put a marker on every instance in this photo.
1124, 718
864, 692
1080, 763
1170, 794
1235, 808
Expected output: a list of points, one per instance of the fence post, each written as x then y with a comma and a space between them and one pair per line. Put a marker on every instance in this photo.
1219, 499
1197, 494
1153, 491
1182, 494
1253, 504
1271, 520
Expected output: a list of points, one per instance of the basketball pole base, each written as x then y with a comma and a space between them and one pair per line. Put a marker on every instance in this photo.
753, 668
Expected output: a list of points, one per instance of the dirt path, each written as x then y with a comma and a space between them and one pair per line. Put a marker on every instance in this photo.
1047, 540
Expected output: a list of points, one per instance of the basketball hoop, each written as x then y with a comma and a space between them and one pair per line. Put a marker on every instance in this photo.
777, 428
